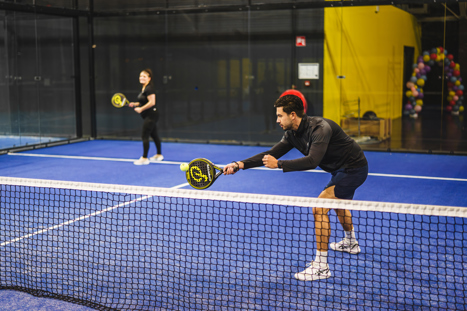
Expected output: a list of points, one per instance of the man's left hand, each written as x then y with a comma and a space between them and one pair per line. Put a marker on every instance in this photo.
269, 161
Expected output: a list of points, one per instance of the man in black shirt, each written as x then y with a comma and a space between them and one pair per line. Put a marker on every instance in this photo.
323, 143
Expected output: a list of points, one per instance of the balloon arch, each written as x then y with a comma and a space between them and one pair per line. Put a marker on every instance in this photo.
423, 66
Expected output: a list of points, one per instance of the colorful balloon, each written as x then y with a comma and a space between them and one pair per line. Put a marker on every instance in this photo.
419, 76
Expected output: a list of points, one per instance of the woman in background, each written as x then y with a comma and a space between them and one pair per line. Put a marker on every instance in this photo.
146, 107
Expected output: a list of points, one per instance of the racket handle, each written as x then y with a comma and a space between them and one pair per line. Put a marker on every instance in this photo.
236, 167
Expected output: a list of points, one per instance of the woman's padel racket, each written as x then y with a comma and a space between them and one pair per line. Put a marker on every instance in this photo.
119, 100
202, 173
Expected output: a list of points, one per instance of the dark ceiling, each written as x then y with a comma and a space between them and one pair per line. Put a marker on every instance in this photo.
425, 11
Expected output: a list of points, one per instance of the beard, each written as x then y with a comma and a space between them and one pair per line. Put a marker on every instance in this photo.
286, 127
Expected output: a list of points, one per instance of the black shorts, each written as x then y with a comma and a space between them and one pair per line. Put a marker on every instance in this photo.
347, 180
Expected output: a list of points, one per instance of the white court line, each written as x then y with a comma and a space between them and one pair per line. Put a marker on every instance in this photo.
257, 168
84, 217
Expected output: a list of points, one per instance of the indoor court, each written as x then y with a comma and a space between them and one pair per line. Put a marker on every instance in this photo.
86, 83
192, 254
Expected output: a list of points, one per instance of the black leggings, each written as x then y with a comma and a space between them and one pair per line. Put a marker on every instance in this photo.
150, 130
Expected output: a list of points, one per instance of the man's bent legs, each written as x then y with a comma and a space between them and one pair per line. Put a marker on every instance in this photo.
319, 268
322, 226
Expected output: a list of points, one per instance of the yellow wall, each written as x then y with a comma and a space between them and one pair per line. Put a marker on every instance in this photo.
367, 48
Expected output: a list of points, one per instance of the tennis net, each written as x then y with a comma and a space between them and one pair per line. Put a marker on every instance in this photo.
114, 247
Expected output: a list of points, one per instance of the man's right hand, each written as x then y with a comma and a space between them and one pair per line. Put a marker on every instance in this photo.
232, 168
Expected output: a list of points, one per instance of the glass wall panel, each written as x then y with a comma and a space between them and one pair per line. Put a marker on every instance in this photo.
55, 78
432, 120
37, 79
365, 61
208, 76
124, 47
217, 75
23, 58
399, 76
450, 111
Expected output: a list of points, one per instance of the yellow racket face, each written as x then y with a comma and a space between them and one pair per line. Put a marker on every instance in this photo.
201, 173
119, 100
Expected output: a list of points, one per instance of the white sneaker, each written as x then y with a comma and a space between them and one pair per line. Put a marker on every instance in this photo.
346, 245
314, 271
141, 161
157, 157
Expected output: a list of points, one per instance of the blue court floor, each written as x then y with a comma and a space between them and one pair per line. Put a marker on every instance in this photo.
394, 177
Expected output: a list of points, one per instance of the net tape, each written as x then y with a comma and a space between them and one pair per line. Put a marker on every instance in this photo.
416, 209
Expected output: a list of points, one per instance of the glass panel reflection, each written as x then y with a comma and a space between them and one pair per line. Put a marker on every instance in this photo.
37, 79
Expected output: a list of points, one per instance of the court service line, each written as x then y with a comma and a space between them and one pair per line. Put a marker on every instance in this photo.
257, 168
84, 217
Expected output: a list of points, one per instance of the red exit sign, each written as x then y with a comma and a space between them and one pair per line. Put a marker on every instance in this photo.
300, 41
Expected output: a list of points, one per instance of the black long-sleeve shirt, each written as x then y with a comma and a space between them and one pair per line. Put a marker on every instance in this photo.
322, 142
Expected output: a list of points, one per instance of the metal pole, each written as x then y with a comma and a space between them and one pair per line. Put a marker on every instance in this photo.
92, 87
359, 117
77, 74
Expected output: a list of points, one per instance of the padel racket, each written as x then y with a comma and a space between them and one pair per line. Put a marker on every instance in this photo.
119, 100
202, 173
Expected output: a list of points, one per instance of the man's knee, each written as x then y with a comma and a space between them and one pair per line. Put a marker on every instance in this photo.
328, 193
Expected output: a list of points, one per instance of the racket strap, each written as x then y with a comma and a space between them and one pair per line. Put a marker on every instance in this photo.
237, 167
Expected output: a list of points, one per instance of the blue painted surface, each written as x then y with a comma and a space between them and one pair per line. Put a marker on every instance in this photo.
189, 256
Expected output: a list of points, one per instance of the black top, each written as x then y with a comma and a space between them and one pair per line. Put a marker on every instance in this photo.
322, 142
143, 100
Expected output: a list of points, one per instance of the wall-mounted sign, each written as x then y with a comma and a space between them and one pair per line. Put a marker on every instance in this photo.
308, 70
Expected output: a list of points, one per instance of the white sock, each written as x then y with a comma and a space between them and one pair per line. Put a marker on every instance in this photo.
321, 257
350, 235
